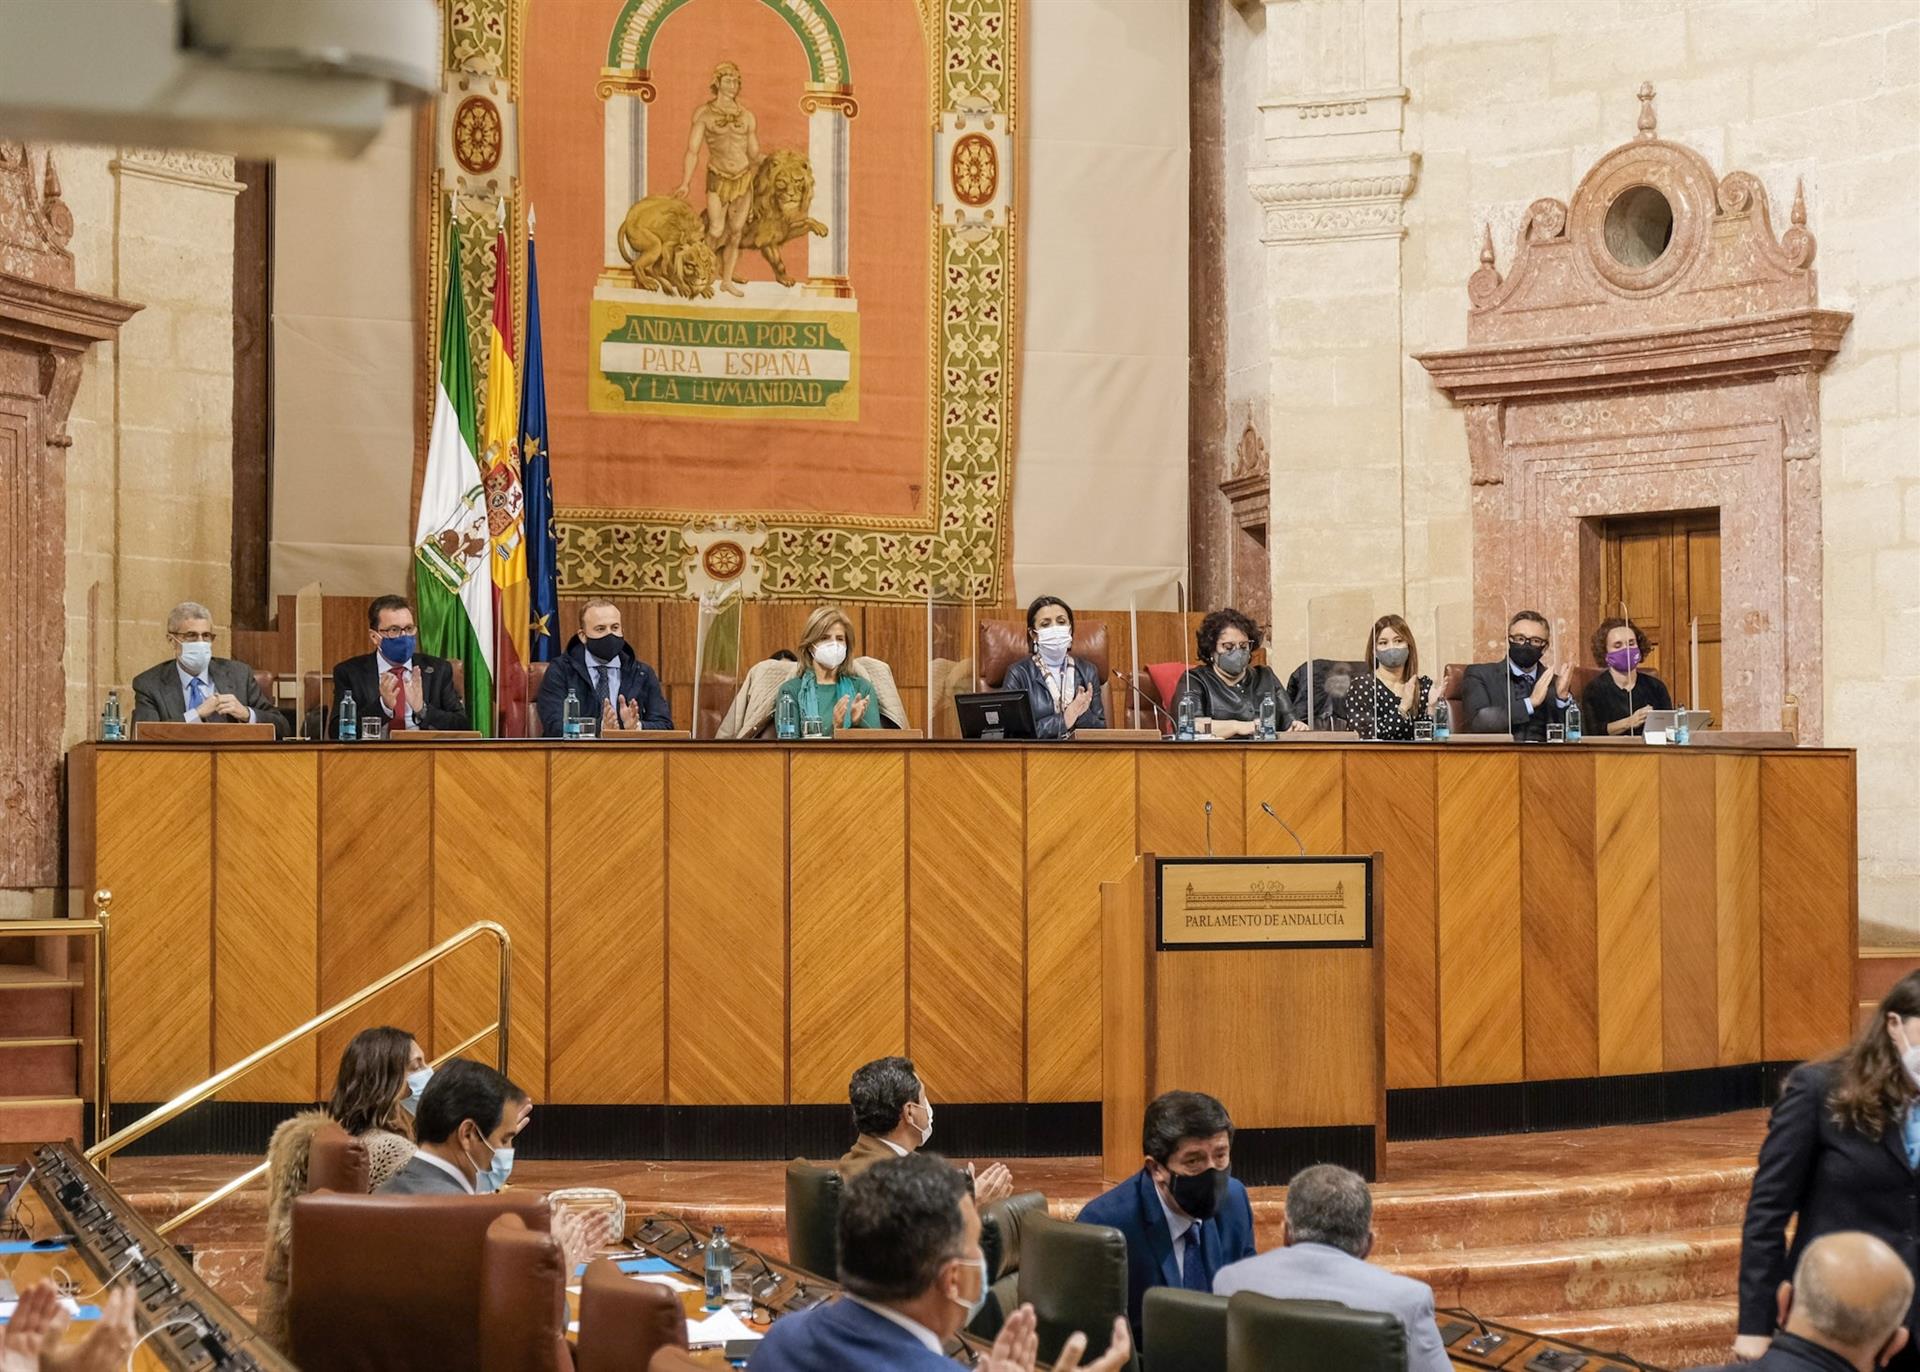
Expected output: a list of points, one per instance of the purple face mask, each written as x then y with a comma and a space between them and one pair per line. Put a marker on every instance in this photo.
1624, 659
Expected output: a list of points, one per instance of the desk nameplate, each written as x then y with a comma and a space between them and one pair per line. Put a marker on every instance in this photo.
1264, 902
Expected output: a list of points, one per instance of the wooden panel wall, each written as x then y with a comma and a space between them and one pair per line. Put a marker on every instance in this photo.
1737, 907
1175, 790
1627, 853
1558, 953
1689, 915
1390, 810
1809, 932
1478, 913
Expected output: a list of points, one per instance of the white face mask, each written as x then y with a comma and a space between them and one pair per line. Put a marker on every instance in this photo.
194, 657
416, 1087
926, 1130
830, 654
1053, 642
973, 1306
1909, 1052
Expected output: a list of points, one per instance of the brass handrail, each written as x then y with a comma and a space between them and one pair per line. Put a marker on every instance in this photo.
214, 1084
258, 1170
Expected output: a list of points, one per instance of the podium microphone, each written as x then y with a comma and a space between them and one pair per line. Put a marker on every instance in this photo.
1284, 825
1209, 828
1115, 673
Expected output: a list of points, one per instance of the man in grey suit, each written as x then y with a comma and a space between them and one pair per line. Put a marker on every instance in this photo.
195, 687
1329, 1232
469, 1117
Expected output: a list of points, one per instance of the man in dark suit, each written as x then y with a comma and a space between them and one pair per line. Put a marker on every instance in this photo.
1844, 1310
405, 688
469, 1117
195, 687
892, 1118
614, 688
913, 1273
1519, 693
1183, 1215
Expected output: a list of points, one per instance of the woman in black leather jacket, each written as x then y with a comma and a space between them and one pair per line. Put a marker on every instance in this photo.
1064, 690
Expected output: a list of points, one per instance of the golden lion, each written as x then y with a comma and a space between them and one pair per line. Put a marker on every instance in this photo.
664, 242
782, 195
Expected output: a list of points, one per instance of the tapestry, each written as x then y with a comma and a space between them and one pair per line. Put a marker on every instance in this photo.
779, 295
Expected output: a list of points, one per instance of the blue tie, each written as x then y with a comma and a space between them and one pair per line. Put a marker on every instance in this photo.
1193, 1265
196, 693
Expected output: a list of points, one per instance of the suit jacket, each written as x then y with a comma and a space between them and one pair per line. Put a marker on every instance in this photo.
1319, 1272
866, 1151
419, 1178
571, 671
1793, 1354
1491, 695
1834, 1179
1047, 721
843, 1337
443, 708
1133, 1207
159, 699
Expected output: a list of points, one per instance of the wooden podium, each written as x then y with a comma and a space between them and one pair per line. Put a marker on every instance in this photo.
1259, 980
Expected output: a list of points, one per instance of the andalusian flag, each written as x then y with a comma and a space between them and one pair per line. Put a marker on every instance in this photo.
543, 549
453, 585
500, 461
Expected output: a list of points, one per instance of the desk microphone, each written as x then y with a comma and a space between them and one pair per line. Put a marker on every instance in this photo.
1158, 710
1209, 828
1284, 825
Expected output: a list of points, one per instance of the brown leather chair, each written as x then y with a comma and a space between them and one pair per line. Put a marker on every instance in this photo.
1268, 1335
675, 1360
523, 1300
630, 1320
1183, 1331
1001, 1226
1003, 642
536, 674
337, 1161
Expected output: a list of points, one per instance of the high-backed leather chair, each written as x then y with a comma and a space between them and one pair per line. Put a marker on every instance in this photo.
813, 1218
536, 674
1268, 1335
523, 1299
337, 1161
630, 1320
1001, 1224
1075, 1277
1183, 1331
1003, 642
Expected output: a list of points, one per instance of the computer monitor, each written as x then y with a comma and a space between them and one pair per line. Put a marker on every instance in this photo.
994, 714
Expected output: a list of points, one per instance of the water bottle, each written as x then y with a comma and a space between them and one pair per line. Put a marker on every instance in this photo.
1183, 717
786, 718
1269, 727
570, 715
113, 728
719, 1267
1682, 731
1442, 721
349, 718
1573, 721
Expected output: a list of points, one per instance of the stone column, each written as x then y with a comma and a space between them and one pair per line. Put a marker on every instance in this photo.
830, 111
1330, 192
626, 95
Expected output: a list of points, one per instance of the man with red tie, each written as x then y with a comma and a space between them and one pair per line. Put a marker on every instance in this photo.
405, 688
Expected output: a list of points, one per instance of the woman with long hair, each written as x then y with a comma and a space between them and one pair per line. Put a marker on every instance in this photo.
828, 691
1394, 694
382, 1073
1842, 1153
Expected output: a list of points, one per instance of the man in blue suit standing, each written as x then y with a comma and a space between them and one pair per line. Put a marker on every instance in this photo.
1183, 1215
914, 1275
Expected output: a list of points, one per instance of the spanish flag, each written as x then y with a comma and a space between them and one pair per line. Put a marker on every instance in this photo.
500, 460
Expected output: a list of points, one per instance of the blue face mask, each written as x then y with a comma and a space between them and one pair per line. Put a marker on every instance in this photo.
416, 1087
494, 1178
397, 650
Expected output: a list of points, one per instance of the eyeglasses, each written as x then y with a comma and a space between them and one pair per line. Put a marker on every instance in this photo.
1520, 641
395, 631
192, 637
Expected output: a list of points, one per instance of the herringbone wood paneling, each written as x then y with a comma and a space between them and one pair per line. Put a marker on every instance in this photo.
727, 927
376, 852
266, 922
1737, 895
1558, 952
967, 997
1809, 919
1626, 817
849, 916
607, 882
1689, 912
490, 862
1307, 788
155, 853
1080, 828
1175, 786
1390, 811
1478, 833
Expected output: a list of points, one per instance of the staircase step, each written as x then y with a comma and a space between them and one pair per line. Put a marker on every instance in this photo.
1583, 1274
40, 1067
38, 1119
37, 1011
1676, 1334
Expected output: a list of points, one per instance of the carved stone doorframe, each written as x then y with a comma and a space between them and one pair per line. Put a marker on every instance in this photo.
1653, 347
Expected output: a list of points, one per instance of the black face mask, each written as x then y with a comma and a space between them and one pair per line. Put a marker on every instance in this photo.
607, 647
1524, 655
1201, 1194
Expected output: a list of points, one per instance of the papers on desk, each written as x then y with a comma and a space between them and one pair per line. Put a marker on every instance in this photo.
74, 1312
722, 1326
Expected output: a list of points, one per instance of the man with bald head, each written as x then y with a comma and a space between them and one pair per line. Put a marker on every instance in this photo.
1844, 1310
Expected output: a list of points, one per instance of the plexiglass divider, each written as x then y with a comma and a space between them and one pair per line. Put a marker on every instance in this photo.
307, 651
953, 638
716, 658
1339, 659
1157, 631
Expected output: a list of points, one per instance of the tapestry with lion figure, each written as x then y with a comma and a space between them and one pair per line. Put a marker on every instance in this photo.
777, 281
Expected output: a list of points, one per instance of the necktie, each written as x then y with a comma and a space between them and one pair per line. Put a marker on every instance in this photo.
399, 697
600, 697
196, 694
1193, 1267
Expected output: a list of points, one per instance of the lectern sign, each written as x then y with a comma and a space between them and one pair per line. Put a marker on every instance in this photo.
1303, 902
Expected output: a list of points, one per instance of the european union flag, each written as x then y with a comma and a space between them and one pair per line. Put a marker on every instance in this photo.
543, 548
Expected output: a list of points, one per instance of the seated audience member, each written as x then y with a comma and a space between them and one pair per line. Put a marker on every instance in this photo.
469, 1117
1518, 693
195, 687
1227, 689
611, 685
1183, 1214
1063, 690
893, 1118
408, 689
826, 687
1328, 1234
33, 1338
1394, 695
1617, 701
1844, 1309
911, 1264
374, 1094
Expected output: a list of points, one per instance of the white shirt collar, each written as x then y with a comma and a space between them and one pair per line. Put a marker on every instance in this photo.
898, 1151
433, 1160
928, 1339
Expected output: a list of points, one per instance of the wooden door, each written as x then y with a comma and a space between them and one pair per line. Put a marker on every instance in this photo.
1664, 569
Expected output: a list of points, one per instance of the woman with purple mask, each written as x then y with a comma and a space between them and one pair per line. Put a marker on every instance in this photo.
1618, 700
